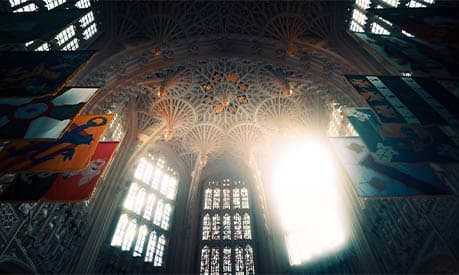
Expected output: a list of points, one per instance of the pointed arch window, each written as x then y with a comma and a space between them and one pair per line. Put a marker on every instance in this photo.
146, 214
226, 239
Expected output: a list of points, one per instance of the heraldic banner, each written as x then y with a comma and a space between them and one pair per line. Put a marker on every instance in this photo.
70, 152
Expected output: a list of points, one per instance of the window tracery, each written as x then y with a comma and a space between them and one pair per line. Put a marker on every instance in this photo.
226, 239
142, 228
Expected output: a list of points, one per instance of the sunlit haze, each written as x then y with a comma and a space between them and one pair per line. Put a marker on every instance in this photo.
305, 189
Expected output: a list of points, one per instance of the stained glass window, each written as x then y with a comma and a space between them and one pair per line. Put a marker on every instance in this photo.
129, 236
226, 242
227, 199
206, 227
216, 227
245, 198
151, 247
215, 261
140, 241
246, 226
237, 227
239, 263
236, 199
249, 264
142, 228
149, 207
159, 251
227, 260
226, 227
120, 230
216, 202
205, 260
138, 204
208, 198
159, 213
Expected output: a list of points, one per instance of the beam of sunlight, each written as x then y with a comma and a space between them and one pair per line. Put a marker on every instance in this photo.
305, 191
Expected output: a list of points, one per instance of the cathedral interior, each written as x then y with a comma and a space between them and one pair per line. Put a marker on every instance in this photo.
206, 96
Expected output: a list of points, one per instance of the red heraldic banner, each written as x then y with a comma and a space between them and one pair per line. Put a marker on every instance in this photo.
71, 152
79, 185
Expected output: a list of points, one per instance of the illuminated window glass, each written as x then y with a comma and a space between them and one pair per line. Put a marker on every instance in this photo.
159, 213
227, 260
206, 224
157, 178
226, 228
65, 35
159, 253
43, 47
166, 216
138, 204
140, 241
249, 264
378, 29
142, 228
27, 8
120, 230
246, 227
216, 227
205, 260
239, 263
208, 198
215, 261
149, 207
14, 3
129, 236
245, 198
87, 19
130, 199
151, 247
90, 31
236, 199
237, 227
216, 201
393, 3
226, 198
72, 45
83, 4
51, 4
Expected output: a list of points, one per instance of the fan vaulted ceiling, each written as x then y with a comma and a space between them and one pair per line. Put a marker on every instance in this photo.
217, 78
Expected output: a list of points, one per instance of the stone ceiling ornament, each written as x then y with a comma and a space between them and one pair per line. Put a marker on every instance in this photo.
177, 115
279, 113
204, 138
243, 139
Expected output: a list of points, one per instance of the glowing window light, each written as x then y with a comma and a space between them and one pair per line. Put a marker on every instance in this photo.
65, 35
129, 236
44, 47
83, 4
393, 3
305, 192
415, 4
90, 31
355, 27
27, 8
158, 261
364, 4
87, 19
140, 241
51, 4
151, 247
378, 29
359, 17
120, 229
14, 3
407, 33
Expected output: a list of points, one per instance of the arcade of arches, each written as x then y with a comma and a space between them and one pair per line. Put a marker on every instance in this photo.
201, 94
